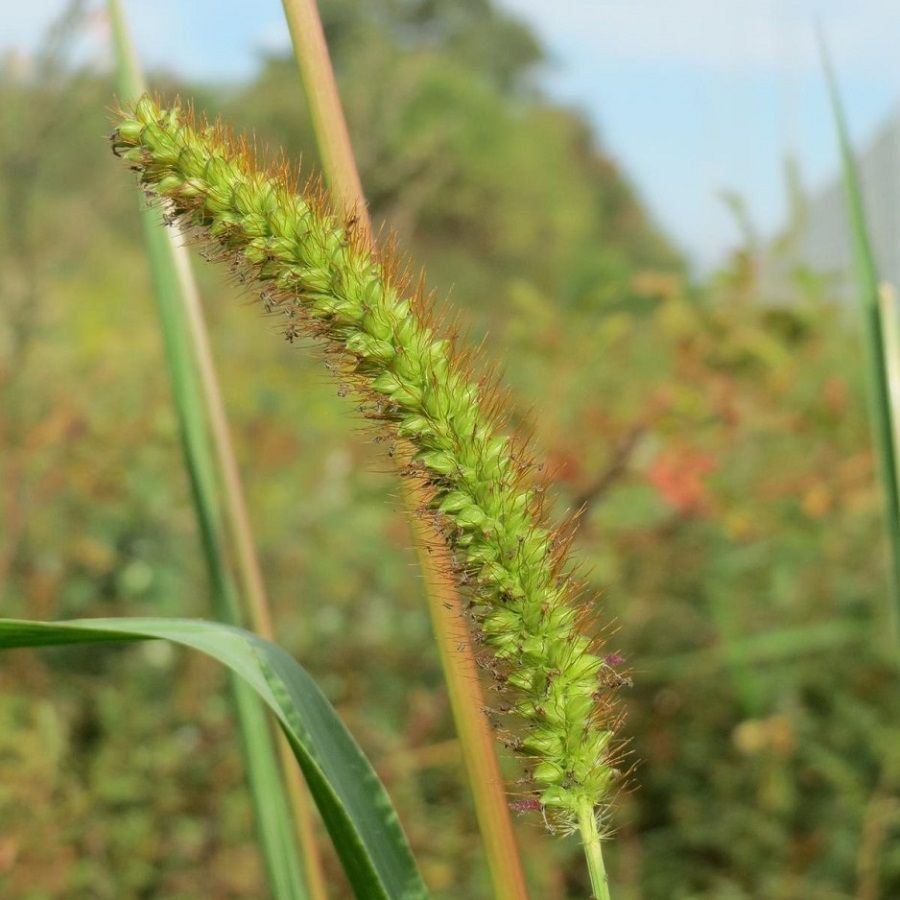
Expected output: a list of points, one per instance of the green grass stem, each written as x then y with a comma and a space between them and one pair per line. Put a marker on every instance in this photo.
197, 401
593, 850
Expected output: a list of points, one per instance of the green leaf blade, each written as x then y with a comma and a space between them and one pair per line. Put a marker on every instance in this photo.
878, 376
354, 805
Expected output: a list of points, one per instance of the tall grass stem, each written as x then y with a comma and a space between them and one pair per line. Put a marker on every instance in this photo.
198, 401
452, 636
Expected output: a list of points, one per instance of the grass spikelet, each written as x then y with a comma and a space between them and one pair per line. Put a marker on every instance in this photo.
322, 281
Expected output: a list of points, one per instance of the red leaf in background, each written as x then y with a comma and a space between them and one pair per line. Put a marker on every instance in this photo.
678, 474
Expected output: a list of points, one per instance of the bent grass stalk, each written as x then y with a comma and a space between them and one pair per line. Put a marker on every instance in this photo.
483, 498
444, 603
198, 400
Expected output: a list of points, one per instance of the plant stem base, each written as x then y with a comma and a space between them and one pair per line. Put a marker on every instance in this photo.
593, 851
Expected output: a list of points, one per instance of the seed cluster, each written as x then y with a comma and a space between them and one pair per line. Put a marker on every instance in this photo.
314, 273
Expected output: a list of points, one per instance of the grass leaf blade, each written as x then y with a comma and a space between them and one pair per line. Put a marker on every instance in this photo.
878, 376
354, 805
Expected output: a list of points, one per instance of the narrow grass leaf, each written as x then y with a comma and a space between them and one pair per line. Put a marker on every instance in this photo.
879, 386
788, 645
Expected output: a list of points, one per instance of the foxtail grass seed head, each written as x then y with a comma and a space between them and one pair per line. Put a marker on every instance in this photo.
322, 281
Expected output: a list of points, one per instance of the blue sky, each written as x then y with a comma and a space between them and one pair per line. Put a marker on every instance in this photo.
692, 96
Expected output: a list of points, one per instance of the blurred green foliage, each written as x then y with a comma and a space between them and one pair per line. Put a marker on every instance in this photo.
714, 432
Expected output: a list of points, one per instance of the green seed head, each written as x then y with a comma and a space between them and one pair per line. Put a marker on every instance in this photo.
323, 282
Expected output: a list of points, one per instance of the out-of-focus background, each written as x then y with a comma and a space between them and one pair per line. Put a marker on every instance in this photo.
636, 206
